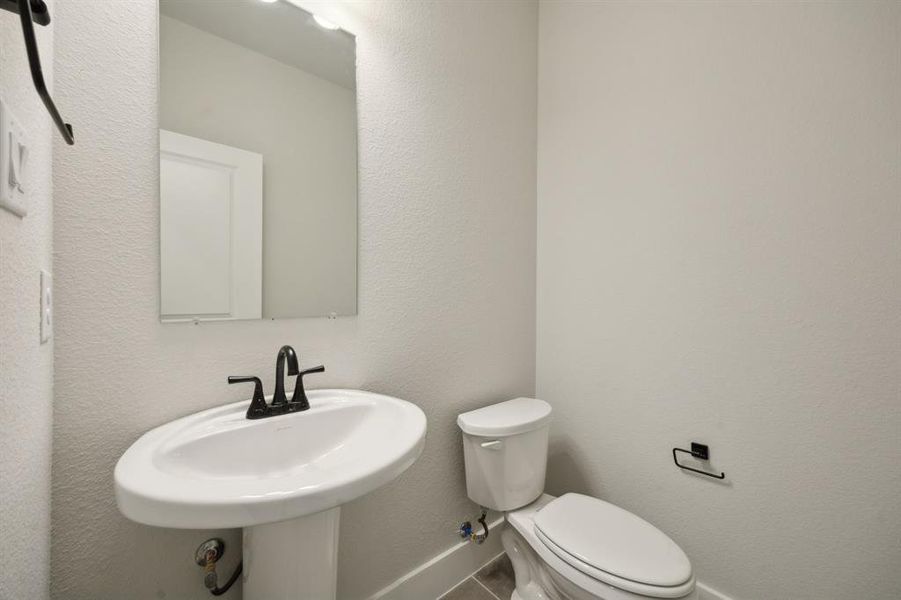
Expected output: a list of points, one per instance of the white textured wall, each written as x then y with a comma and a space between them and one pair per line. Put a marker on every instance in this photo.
719, 212
446, 291
26, 366
306, 129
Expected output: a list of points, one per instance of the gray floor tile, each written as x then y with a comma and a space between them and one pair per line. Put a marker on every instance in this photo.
470, 589
497, 576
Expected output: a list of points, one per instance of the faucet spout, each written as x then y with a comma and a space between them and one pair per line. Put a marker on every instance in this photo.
286, 353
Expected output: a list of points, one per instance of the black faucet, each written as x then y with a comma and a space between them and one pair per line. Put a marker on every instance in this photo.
285, 353
280, 405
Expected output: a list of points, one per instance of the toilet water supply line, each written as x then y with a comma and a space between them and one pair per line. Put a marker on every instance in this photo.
466, 531
207, 555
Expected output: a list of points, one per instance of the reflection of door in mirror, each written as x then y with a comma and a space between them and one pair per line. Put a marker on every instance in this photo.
211, 230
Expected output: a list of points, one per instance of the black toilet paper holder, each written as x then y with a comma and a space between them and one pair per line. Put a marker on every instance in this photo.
701, 452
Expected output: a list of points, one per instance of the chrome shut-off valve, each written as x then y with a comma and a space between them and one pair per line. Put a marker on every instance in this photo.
466, 531
207, 555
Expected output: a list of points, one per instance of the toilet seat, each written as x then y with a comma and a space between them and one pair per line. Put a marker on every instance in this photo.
593, 580
600, 539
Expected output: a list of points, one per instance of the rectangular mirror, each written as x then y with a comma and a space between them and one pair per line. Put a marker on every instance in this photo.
258, 162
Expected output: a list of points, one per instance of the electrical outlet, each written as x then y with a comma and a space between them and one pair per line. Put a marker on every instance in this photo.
13, 163
46, 306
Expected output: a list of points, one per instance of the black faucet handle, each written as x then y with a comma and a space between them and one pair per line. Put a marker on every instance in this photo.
300, 396
258, 407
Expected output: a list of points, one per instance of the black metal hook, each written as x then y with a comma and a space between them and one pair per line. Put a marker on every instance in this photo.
39, 12
36, 11
701, 452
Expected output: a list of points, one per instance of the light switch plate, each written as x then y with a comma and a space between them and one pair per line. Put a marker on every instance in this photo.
13, 163
46, 306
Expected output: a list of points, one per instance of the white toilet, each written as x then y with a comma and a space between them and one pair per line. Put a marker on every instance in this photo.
572, 547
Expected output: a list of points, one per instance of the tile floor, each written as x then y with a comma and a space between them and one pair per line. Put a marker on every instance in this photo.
494, 581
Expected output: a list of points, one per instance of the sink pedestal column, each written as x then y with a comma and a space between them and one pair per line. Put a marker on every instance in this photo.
292, 560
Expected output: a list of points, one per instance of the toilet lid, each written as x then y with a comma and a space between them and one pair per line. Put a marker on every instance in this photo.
599, 535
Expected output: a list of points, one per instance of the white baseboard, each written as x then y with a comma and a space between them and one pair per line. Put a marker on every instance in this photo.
705, 592
443, 572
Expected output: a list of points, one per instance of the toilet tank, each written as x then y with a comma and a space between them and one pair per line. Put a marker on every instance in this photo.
505, 450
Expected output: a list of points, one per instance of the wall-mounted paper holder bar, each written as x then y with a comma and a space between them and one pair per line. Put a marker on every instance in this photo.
701, 452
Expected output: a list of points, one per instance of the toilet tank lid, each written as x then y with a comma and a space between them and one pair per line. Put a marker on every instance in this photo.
506, 418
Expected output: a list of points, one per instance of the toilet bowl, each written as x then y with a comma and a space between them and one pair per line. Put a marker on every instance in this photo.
574, 547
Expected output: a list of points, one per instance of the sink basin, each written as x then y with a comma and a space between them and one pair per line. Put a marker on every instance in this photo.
217, 469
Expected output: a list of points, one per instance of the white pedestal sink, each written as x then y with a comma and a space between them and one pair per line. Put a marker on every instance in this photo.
282, 479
